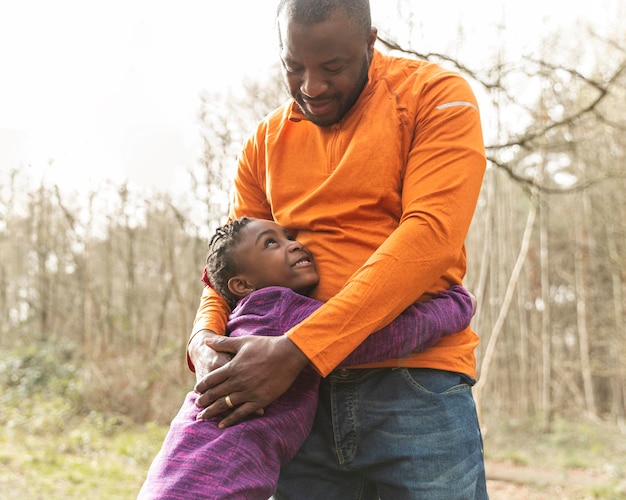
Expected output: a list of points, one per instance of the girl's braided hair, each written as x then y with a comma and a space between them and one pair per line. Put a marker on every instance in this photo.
220, 263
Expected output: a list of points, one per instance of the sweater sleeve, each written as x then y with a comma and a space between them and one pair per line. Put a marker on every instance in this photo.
419, 327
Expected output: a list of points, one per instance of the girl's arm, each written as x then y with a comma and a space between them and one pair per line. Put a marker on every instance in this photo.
272, 311
419, 327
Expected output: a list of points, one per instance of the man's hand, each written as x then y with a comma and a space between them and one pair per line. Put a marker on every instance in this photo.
261, 369
205, 359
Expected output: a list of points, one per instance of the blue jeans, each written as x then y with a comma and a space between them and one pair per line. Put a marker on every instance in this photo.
393, 434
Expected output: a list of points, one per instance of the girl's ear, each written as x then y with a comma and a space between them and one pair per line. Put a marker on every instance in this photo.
239, 287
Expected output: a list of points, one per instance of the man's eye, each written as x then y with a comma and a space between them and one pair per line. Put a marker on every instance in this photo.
334, 69
290, 69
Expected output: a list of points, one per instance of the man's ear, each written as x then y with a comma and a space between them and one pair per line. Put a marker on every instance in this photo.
239, 287
371, 40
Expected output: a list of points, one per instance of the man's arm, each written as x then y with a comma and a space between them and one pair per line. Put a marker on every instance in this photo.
274, 310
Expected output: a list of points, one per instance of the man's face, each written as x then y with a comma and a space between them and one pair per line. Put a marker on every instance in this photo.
325, 65
268, 256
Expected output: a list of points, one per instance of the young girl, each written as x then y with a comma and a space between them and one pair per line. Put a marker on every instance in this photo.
265, 275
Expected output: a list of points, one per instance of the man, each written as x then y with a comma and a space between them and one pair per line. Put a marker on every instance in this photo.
376, 166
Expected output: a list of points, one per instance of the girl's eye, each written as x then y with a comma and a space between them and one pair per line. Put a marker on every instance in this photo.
269, 242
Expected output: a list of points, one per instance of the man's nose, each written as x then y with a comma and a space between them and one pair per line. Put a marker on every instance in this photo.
313, 84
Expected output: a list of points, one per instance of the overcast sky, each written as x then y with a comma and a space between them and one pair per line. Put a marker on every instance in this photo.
93, 90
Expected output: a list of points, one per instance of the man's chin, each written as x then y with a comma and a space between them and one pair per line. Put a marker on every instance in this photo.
325, 120
322, 120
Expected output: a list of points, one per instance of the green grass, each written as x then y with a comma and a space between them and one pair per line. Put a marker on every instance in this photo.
89, 457
47, 453
570, 444
591, 455
53, 447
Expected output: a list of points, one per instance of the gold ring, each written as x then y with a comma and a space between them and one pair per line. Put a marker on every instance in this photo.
229, 403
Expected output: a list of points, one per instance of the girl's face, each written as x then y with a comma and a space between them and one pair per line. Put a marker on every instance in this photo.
267, 256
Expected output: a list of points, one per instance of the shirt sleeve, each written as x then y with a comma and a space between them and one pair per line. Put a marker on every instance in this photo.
212, 315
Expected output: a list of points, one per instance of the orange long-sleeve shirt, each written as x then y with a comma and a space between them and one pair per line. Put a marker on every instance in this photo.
383, 199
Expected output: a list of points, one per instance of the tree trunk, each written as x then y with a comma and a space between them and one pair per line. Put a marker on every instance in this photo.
581, 256
506, 303
546, 337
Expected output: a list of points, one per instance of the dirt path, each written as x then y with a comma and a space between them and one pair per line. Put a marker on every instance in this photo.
506, 481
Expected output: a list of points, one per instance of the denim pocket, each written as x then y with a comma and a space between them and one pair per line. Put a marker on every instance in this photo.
436, 381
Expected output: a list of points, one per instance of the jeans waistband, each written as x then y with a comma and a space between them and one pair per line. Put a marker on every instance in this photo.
352, 374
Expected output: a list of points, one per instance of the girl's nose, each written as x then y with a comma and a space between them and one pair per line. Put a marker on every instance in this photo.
295, 245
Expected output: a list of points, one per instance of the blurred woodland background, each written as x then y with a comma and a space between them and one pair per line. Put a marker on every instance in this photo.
98, 289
